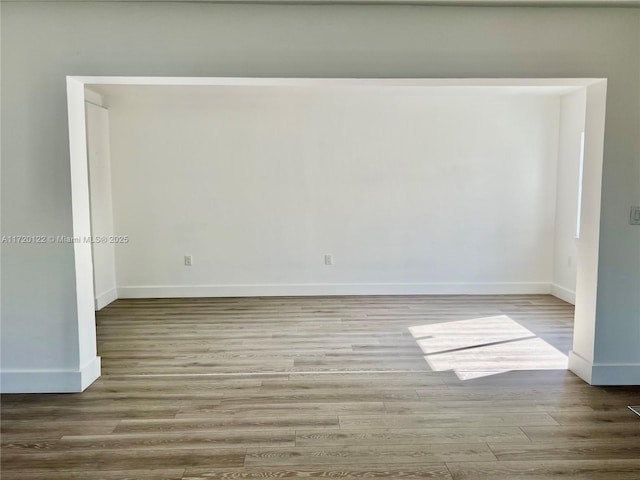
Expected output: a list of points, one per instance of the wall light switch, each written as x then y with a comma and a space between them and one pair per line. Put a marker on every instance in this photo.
635, 216
188, 260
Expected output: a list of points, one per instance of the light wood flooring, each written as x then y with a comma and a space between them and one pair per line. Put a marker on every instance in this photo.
328, 387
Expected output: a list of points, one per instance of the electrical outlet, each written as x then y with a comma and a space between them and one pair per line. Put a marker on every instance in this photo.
635, 216
328, 259
188, 260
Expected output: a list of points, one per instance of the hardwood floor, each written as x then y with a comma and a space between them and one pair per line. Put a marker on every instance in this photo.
329, 387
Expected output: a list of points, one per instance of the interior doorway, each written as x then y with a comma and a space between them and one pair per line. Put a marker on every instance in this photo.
585, 263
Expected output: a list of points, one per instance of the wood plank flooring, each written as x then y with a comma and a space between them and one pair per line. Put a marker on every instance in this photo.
329, 387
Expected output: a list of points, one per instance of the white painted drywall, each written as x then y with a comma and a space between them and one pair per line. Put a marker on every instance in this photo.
572, 113
104, 268
403, 188
44, 41
587, 323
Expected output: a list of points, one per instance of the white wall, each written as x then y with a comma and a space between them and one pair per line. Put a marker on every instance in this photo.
104, 271
409, 191
588, 323
44, 41
572, 118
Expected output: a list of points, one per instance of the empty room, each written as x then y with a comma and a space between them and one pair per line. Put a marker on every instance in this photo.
303, 240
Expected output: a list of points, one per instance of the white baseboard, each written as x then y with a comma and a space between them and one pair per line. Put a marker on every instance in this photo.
562, 293
50, 381
604, 374
580, 366
105, 298
177, 291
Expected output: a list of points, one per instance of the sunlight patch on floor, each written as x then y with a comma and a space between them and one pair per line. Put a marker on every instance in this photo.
485, 346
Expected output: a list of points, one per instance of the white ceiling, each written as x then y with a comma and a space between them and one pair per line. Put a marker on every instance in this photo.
125, 94
114, 89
